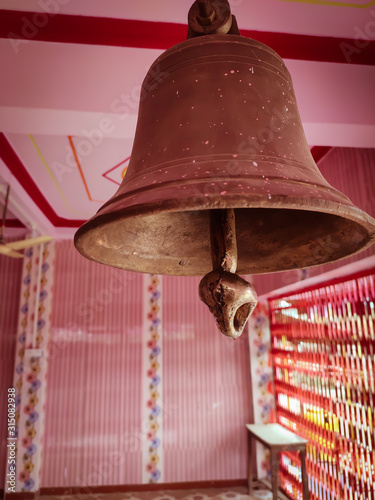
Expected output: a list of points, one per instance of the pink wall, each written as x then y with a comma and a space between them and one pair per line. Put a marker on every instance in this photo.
207, 381
94, 375
351, 171
10, 285
94, 396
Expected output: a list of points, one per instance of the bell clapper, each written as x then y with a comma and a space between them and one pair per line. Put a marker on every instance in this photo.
229, 297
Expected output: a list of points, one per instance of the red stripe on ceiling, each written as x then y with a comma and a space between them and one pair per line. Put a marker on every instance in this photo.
319, 152
105, 175
17, 168
93, 30
146, 34
14, 223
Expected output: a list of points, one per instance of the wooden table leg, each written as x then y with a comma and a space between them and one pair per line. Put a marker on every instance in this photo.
275, 468
251, 462
305, 483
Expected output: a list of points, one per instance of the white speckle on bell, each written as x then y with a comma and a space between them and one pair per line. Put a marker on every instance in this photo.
207, 142
234, 156
223, 192
255, 163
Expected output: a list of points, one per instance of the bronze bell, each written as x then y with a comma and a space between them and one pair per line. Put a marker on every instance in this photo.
219, 130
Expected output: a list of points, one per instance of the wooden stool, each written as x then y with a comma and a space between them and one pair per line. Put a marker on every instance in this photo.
277, 439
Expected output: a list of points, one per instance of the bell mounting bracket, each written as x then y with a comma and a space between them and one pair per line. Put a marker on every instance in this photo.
209, 17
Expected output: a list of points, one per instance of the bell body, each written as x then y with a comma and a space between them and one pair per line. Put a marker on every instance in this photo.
219, 127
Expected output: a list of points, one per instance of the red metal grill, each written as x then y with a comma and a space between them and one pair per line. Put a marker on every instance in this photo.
323, 344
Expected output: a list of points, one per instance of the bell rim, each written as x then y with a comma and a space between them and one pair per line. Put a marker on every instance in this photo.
145, 209
351, 212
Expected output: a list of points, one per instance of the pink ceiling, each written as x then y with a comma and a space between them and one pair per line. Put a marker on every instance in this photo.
52, 95
75, 189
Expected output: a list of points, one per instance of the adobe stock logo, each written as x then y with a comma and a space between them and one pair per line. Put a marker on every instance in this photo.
362, 38
32, 24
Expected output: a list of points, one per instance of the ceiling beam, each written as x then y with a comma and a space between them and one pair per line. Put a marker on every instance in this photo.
22, 26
